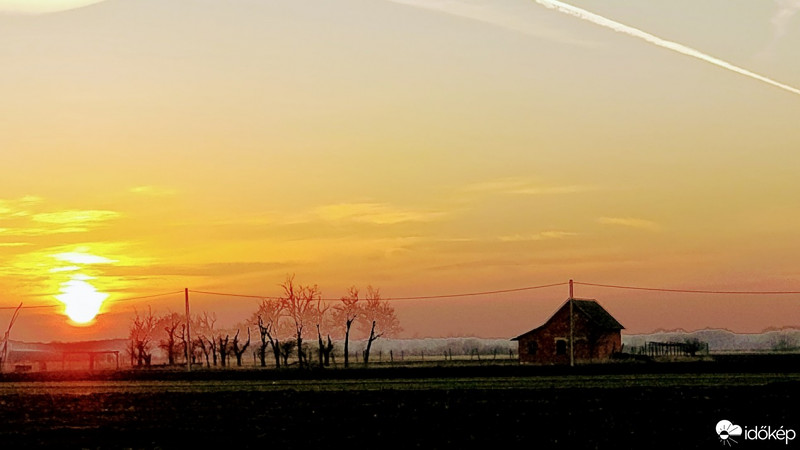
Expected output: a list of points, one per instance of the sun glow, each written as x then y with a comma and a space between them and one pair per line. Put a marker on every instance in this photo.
41, 6
82, 300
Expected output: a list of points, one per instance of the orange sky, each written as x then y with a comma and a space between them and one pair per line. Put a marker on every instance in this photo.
423, 147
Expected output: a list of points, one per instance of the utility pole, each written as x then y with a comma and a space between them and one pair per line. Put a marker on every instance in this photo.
571, 327
188, 333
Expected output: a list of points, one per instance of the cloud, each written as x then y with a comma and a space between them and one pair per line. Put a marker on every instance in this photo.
501, 185
549, 190
374, 213
27, 221
65, 269
200, 270
785, 13
787, 9
629, 222
75, 216
544, 235
521, 186
153, 191
507, 15
18, 207
82, 257
38, 231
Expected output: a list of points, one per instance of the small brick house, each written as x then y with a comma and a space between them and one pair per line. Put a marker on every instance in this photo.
596, 335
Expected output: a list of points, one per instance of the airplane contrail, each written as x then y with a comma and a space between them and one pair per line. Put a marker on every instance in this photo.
674, 46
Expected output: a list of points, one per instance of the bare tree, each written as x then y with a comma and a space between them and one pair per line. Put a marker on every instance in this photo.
141, 336
185, 348
4, 350
205, 332
204, 348
271, 324
286, 350
693, 345
170, 322
378, 317
238, 350
223, 347
783, 341
322, 319
325, 350
189, 349
346, 312
299, 302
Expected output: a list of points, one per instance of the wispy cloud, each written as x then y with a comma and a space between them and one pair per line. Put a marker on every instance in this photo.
41, 231
546, 190
75, 216
785, 13
45, 269
630, 222
374, 213
520, 186
511, 16
18, 207
201, 270
787, 9
153, 191
28, 216
82, 257
544, 235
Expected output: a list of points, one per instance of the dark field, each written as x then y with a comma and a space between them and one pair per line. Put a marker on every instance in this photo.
611, 406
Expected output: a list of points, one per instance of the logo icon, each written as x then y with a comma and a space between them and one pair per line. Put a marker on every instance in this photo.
726, 430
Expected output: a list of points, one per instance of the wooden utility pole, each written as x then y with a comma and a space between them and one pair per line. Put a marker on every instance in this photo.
188, 333
571, 328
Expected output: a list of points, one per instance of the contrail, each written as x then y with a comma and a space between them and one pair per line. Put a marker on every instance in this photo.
622, 28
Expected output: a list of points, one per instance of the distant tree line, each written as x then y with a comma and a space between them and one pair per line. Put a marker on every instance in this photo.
285, 327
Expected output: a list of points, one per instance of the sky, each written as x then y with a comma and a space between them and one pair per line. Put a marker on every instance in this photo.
424, 147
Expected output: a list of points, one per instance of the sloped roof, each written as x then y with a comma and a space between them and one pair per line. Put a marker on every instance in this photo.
589, 308
597, 314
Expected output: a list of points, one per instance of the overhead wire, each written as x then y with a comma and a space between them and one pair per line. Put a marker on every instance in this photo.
687, 291
421, 297
126, 299
440, 296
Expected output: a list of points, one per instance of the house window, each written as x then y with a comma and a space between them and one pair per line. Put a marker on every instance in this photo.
533, 347
561, 347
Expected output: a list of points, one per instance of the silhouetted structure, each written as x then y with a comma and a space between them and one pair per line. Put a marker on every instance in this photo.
92, 357
596, 335
655, 349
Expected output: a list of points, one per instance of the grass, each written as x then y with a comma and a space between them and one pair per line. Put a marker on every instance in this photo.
673, 405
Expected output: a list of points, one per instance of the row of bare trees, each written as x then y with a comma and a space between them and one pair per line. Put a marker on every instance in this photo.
283, 325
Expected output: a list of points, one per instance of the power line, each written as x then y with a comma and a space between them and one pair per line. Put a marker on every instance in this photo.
428, 297
502, 291
30, 307
127, 299
421, 297
688, 291
224, 294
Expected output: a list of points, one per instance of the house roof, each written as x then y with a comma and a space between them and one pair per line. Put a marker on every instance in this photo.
591, 310
597, 314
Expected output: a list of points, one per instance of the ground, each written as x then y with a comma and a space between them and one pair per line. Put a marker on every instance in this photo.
607, 406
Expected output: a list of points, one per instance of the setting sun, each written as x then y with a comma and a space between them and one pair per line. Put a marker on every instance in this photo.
82, 300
